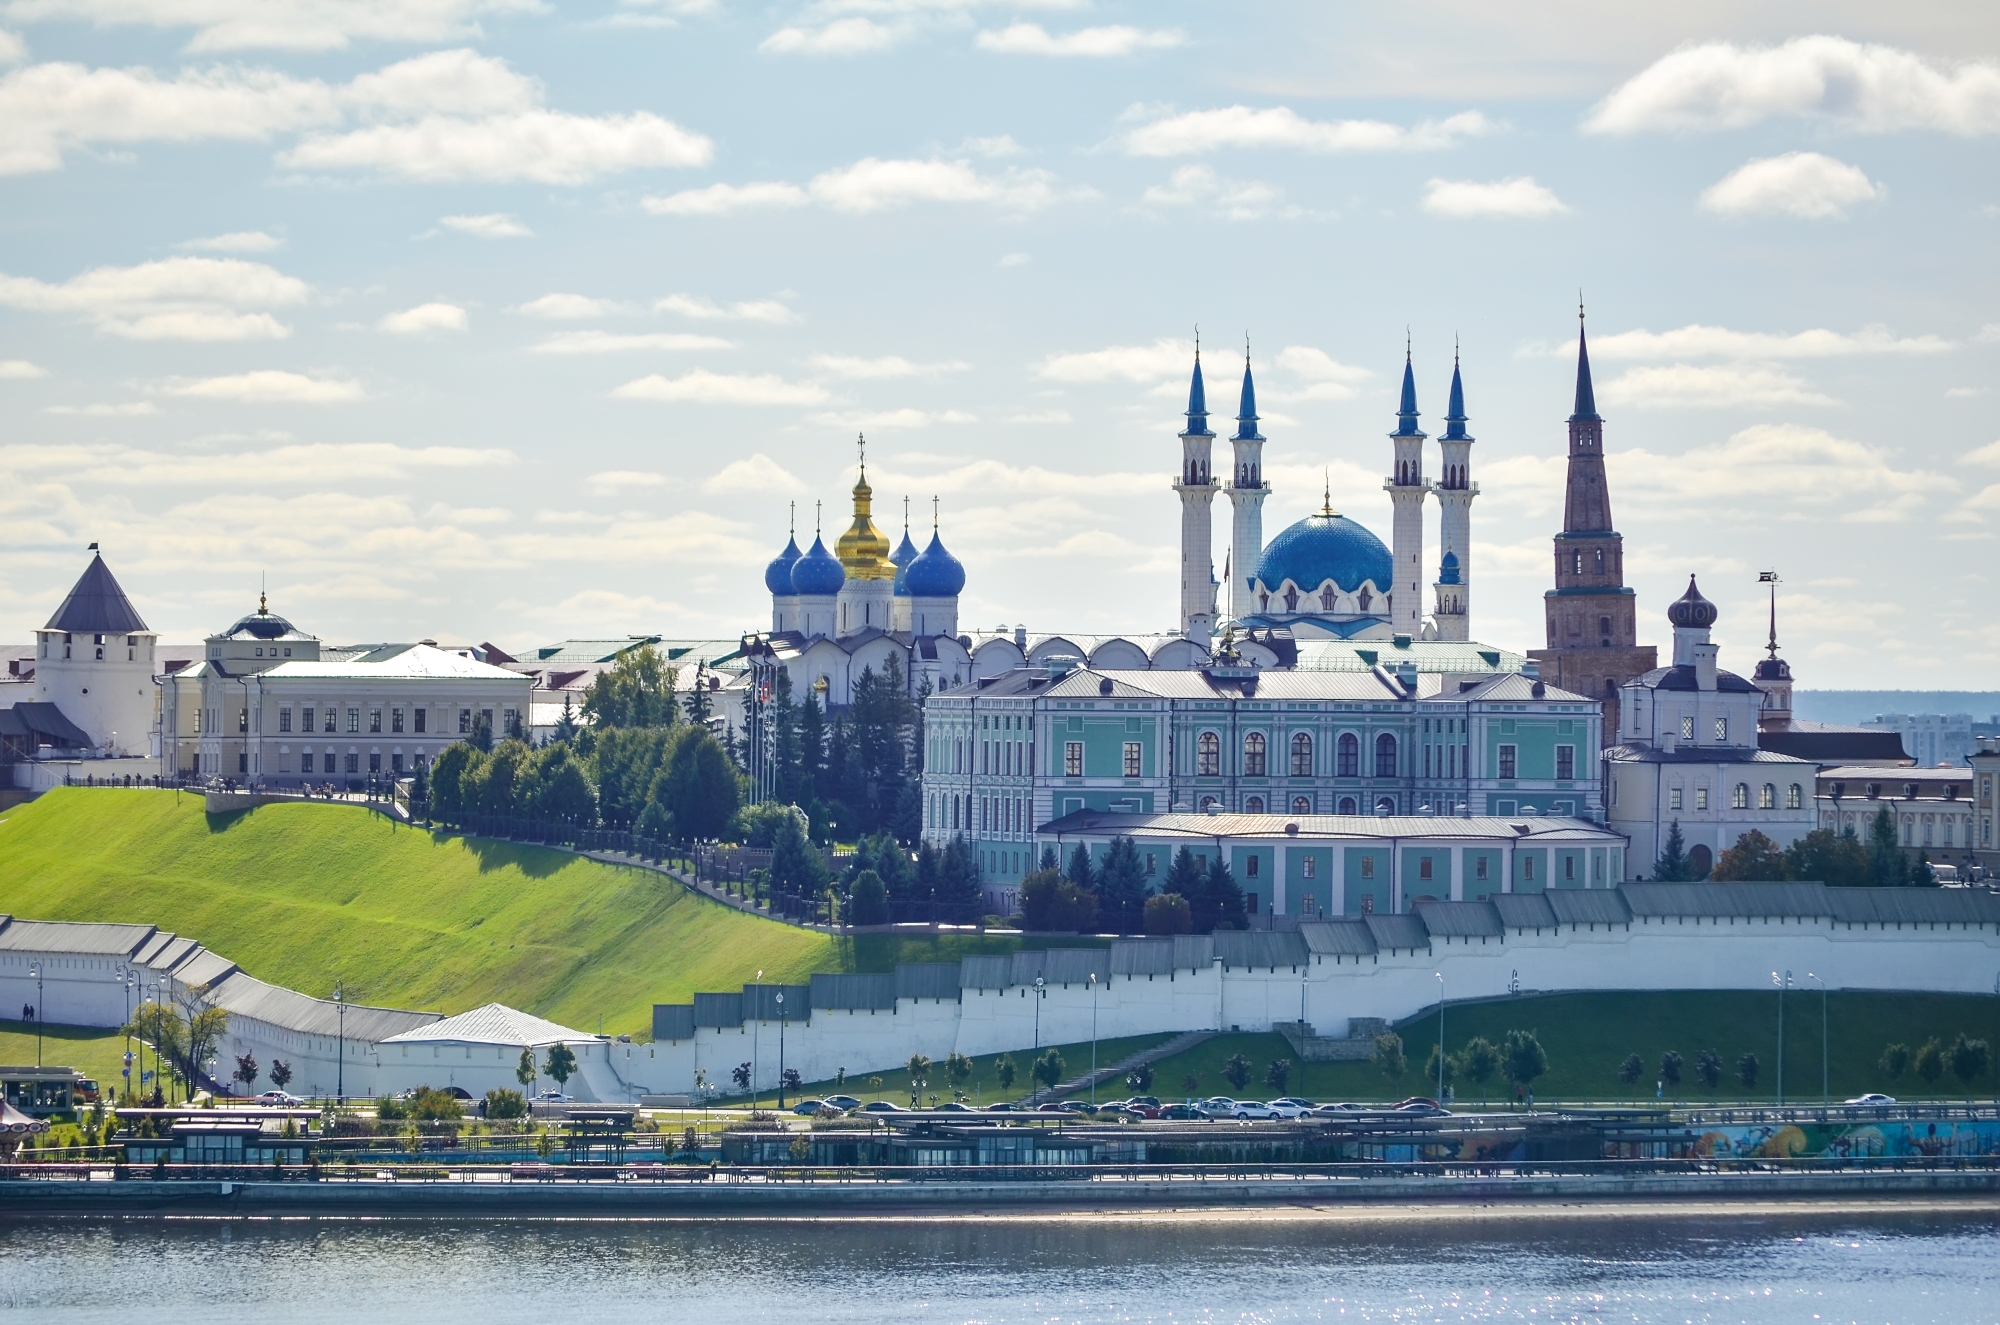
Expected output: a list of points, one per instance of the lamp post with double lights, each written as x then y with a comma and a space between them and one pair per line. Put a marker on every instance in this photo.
1825, 1094
125, 977
35, 974
1783, 982
781, 1051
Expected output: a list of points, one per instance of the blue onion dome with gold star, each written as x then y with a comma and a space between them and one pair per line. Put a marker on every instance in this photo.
817, 573
778, 575
905, 553
935, 573
1326, 546
1691, 611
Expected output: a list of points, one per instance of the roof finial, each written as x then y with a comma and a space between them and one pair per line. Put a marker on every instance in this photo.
816, 518
1326, 492
792, 522
1197, 342
1770, 577
93, 547
262, 610
1246, 347
1579, 304
1454, 351
906, 514
861, 443
934, 514
1406, 342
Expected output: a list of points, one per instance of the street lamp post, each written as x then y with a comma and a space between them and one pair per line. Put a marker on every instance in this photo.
1041, 992
1093, 1042
36, 974
781, 1051
125, 977
756, 1037
1825, 1094
1440, 1094
1783, 982
340, 1048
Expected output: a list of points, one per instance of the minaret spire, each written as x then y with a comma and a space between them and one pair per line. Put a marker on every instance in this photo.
1197, 493
1247, 491
1407, 490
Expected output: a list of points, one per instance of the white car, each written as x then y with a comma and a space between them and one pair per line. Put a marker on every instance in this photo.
1247, 1109
1872, 1098
279, 1099
1289, 1108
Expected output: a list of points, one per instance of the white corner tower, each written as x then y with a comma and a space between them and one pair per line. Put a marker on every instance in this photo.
94, 661
1197, 490
1247, 491
1407, 490
1455, 491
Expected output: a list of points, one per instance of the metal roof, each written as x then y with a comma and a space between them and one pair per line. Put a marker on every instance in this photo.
1260, 948
1523, 910
1588, 906
1339, 937
1398, 933
243, 995
1331, 827
872, 990
718, 1010
927, 980
675, 1021
760, 1002
1914, 906
204, 968
1459, 920
97, 605
495, 1023
984, 972
68, 938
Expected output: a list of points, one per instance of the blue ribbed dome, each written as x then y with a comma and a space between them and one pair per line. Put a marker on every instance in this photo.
817, 573
935, 573
778, 575
1326, 547
1448, 569
905, 553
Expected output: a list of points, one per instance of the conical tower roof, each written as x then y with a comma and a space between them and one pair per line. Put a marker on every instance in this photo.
97, 606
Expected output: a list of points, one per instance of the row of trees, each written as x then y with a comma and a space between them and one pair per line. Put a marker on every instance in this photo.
1841, 859
1966, 1058
855, 772
1080, 896
1519, 1059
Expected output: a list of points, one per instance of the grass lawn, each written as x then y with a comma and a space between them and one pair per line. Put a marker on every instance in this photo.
984, 1087
1587, 1037
98, 1054
301, 894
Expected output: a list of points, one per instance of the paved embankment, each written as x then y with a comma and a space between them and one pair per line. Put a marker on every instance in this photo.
496, 1195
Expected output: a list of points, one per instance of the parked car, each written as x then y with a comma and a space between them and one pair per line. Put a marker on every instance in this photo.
1293, 1099
882, 1106
1177, 1112
1289, 1108
279, 1099
546, 1097
1142, 1108
1060, 1106
1422, 1107
1248, 1109
1144, 1101
1338, 1110
1216, 1106
1001, 1107
813, 1108
956, 1107
843, 1102
1873, 1097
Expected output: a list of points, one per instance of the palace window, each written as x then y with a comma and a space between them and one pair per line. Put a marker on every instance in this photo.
375, 720
1348, 756
1479, 867
1253, 755
1701, 797
305, 720
1767, 798
1721, 731
284, 720
1673, 798
1795, 797
396, 720
1348, 805
1302, 755
1368, 867
1301, 805
419, 716
1073, 759
1565, 763
1208, 755
1687, 728
1424, 868
1509, 762
1309, 867
1132, 758
1385, 805
1385, 756
306, 762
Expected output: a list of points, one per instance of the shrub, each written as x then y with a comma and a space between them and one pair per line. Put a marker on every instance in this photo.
1389, 1056
1967, 1058
1670, 1069
1236, 1072
1746, 1071
1632, 1069
869, 900
1278, 1076
1929, 1061
1708, 1066
1049, 1069
503, 1103
1168, 913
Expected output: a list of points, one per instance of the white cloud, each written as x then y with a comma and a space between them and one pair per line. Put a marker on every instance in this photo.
894, 418
1016, 259
998, 146
236, 241
1237, 200
20, 370
292, 25
1821, 475
287, 465
871, 185
703, 309
1316, 365
490, 225
723, 199
545, 146
270, 386
703, 387
847, 36
1795, 184
1964, 392
1518, 196
1279, 126
424, 319
1033, 39
894, 365
570, 307
199, 299
755, 474
1988, 455
458, 82
1042, 416
612, 482
1703, 342
605, 342
125, 409
1165, 357
1873, 89
1683, 386
12, 49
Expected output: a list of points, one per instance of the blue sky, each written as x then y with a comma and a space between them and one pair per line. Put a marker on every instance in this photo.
492, 319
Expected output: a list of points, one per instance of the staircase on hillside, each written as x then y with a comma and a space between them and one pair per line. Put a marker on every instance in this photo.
1179, 1044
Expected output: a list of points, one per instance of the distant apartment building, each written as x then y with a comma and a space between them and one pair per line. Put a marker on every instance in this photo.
1929, 738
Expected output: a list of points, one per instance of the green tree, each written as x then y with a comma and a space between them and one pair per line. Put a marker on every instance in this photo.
1140, 1079
502, 1103
1191, 1083
561, 1064
1824, 856
1220, 902
1053, 904
524, 1071
246, 1070
635, 691
447, 774
1746, 1072
551, 785
1922, 875
1967, 1059
957, 1071
420, 789
1004, 1072
1708, 1067
1431, 1065
797, 866
566, 730
1049, 1069
1079, 870
1632, 1069
1168, 913
624, 763
1886, 862
1523, 1059
1236, 1072
699, 787
696, 702
919, 1068
1479, 1060
1278, 1076
869, 900
1754, 856
280, 1073
1929, 1061
481, 738
1121, 888
1895, 1061
1670, 1069
489, 788
1672, 865
1048, 860
1389, 1056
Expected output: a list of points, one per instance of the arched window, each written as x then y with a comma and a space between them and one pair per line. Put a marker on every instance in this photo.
1739, 797
1291, 600
1348, 757
1600, 561
1385, 756
1385, 805
1253, 755
1208, 755
1348, 806
1767, 799
1579, 563
1302, 805
1366, 598
1326, 599
1302, 755
1208, 803
1795, 798
1253, 805
1263, 602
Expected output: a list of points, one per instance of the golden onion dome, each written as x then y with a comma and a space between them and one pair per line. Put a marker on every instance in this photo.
864, 550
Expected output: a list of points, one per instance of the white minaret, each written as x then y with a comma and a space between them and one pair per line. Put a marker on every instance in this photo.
1197, 490
1407, 489
1247, 490
1455, 491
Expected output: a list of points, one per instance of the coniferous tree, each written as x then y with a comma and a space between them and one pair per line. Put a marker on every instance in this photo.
796, 864
1049, 860
566, 728
1184, 876
1079, 871
1885, 853
696, 702
1121, 888
1221, 901
1672, 866
783, 717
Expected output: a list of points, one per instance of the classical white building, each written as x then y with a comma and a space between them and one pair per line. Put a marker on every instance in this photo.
269, 705
1686, 752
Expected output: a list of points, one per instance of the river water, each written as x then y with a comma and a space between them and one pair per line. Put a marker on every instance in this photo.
1907, 1265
